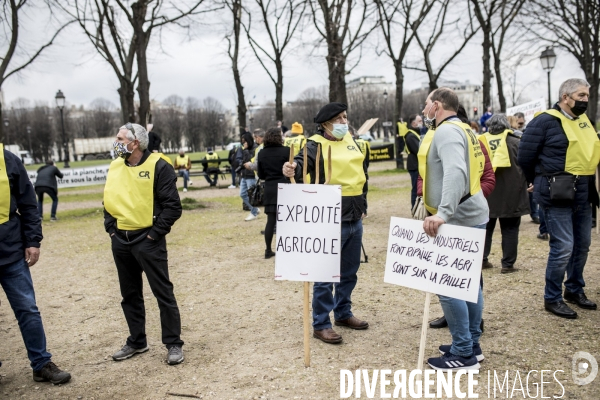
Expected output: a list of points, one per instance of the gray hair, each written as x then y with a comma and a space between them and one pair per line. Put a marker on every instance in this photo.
570, 86
141, 135
497, 123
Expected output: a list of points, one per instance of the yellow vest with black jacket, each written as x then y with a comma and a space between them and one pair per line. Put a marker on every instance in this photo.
348, 170
142, 197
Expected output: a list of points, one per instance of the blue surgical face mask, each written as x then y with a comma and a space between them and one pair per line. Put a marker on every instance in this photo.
339, 130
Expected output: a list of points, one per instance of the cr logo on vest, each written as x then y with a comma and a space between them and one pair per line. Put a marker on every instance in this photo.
144, 174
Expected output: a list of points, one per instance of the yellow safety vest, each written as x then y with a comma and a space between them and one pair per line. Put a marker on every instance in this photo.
583, 153
497, 148
476, 160
346, 164
365, 146
4, 189
297, 140
410, 131
182, 161
129, 193
213, 156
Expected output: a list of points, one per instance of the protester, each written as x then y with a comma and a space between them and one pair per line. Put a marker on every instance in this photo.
154, 140
482, 121
451, 164
141, 204
183, 164
45, 182
211, 166
348, 170
20, 237
270, 169
559, 154
297, 138
509, 200
413, 140
247, 177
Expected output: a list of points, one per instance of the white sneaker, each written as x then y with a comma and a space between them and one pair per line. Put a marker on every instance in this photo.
231, 187
184, 190
250, 217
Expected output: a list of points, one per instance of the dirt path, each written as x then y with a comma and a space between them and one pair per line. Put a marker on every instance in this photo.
243, 330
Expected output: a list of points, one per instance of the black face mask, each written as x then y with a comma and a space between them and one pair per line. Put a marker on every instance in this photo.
579, 108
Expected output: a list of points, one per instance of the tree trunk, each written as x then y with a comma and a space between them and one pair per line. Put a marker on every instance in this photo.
141, 41
498, 70
487, 98
399, 90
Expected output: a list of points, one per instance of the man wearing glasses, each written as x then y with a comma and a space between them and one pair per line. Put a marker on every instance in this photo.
141, 204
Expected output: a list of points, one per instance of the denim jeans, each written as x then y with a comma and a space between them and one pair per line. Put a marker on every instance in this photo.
245, 184
186, 176
40, 190
413, 191
16, 281
323, 299
464, 320
533, 207
570, 231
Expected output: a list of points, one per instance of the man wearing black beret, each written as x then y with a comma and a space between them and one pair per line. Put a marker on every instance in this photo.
348, 170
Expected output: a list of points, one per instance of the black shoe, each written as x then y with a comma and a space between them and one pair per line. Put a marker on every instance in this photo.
269, 254
580, 299
51, 373
560, 309
543, 236
535, 220
438, 323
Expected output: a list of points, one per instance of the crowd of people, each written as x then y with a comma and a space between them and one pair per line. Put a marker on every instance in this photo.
457, 176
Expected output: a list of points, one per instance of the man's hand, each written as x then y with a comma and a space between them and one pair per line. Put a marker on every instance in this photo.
288, 169
32, 255
431, 224
530, 188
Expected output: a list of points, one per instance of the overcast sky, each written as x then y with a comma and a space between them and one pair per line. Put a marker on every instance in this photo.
200, 68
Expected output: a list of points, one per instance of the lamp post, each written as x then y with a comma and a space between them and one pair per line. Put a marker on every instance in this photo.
548, 59
60, 103
385, 131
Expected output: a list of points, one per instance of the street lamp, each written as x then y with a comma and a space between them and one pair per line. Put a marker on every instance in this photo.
60, 103
548, 59
385, 131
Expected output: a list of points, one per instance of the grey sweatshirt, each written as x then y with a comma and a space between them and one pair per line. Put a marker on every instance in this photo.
448, 179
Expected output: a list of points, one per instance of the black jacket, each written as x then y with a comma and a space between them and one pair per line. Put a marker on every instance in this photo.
153, 141
46, 177
353, 207
412, 142
167, 205
544, 145
270, 169
23, 229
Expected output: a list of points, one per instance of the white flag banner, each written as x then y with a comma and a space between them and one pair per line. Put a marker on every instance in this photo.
308, 242
448, 264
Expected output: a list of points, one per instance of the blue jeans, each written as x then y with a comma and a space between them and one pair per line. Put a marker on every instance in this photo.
464, 320
186, 176
16, 281
323, 299
570, 230
245, 184
413, 191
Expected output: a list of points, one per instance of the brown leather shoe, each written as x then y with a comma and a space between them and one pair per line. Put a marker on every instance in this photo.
328, 335
353, 323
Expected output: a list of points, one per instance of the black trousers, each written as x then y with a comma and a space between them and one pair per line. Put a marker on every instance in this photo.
150, 257
509, 227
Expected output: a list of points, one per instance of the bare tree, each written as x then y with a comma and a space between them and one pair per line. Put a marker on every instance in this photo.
574, 26
9, 24
233, 51
495, 19
280, 19
343, 35
398, 21
440, 25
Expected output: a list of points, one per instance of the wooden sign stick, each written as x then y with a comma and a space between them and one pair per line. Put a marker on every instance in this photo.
424, 331
292, 161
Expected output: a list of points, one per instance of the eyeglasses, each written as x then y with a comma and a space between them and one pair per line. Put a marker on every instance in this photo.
130, 128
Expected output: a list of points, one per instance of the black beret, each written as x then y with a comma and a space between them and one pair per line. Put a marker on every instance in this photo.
329, 111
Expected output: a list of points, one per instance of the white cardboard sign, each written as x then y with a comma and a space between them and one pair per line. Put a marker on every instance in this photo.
448, 264
308, 242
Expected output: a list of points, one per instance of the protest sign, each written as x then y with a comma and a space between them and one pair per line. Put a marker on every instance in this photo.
528, 109
78, 176
308, 242
448, 264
